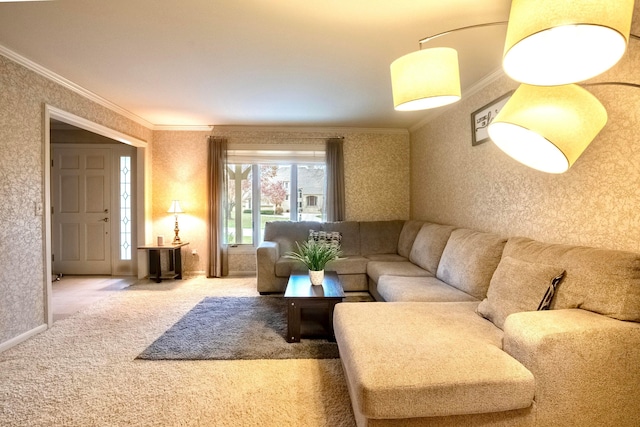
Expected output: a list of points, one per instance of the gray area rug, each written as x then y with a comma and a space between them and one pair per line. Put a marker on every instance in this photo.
232, 328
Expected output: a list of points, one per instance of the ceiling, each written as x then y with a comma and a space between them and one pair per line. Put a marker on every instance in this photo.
249, 62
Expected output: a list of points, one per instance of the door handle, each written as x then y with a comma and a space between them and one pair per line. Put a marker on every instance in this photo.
104, 219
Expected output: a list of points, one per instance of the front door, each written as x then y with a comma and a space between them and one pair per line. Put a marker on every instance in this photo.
81, 205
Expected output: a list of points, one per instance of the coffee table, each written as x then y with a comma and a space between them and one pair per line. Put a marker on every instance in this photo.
303, 298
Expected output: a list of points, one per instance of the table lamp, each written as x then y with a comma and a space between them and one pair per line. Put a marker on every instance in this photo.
175, 209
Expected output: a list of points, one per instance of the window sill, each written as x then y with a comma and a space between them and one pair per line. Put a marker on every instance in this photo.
242, 249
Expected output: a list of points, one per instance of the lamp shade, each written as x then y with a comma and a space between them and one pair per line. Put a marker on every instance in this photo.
556, 42
175, 207
548, 128
425, 79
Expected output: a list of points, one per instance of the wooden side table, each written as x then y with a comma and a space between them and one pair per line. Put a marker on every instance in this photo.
175, 261
302, 295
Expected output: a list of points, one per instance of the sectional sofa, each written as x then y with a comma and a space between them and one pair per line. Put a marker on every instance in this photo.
457, 338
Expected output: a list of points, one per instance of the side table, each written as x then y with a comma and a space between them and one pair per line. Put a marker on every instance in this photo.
175, 261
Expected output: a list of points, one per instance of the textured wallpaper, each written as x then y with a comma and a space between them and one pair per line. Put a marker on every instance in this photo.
595, 203
22, 98
376, 178
179, 172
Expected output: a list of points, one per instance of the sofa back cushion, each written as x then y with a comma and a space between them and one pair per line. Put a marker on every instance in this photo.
469, 260
286, 233
408, 235
350, 230
429, 244
379, 237
599, 280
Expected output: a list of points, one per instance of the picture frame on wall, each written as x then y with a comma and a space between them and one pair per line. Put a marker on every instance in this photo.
482, 118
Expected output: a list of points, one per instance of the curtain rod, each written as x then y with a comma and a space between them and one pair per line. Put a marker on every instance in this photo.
310, 137
285, 137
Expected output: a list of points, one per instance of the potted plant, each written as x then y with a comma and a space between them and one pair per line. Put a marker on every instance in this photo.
315, 255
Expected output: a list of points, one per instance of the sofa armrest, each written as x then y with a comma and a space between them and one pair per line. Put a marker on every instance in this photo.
586, 366
267, 254
271, 249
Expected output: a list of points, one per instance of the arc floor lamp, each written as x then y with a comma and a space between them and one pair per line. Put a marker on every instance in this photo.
549, 46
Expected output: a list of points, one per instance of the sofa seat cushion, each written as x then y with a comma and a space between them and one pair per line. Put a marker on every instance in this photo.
447, 361
386, 257
347, 265
419, 289
375, 269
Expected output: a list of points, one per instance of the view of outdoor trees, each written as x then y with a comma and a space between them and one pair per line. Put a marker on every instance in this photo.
272, 189
276, 202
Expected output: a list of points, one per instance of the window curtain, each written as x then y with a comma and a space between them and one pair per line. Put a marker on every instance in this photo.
335, 180
216, 173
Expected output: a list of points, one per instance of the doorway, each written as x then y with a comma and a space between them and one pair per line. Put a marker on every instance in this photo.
90, 169
93, 217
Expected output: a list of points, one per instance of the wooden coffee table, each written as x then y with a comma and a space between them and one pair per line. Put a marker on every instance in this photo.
305, 299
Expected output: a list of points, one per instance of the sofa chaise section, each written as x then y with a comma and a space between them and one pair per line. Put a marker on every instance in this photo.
407, 363
445, 361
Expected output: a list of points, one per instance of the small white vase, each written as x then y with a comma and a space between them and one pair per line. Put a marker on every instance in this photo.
316, 277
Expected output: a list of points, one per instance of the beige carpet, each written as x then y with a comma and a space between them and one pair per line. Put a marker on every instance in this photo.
83, 372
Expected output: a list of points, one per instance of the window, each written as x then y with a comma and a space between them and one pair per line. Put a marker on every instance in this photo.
271, 186
125, 208
239, 204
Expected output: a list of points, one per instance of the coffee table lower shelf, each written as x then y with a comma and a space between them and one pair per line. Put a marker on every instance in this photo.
307, 304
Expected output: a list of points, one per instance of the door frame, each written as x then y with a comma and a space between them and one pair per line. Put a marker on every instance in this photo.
51, 112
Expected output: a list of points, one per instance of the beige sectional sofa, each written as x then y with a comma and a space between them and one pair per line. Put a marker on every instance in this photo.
455, 338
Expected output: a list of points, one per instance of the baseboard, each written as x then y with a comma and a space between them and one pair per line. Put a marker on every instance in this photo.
20, 338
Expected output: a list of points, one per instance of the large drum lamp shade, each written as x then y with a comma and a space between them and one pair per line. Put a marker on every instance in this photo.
556, 42
425, 79
548, 128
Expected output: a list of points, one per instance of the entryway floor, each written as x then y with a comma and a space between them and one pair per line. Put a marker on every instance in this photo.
72, 293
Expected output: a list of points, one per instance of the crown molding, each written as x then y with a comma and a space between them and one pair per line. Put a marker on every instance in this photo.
302, 129
477, 87
189, 128
68, 84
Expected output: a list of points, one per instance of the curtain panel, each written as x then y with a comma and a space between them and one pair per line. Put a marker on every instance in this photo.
335, 180
217, 265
